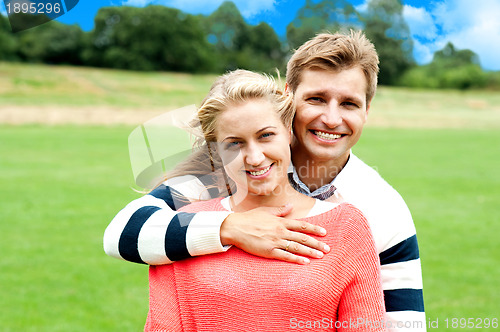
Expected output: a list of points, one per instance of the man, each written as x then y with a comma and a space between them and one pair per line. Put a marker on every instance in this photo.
333, 79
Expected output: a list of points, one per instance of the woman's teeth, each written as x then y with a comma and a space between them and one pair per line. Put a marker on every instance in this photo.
326, 135
262, 171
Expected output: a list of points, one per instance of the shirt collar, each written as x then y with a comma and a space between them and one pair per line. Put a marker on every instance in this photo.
322, 193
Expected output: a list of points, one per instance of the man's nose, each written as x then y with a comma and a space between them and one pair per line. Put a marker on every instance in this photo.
332, 117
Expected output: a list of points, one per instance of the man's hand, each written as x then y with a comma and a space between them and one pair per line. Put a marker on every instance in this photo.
263, 232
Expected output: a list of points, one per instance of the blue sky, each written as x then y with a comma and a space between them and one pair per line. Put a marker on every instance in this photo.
467, 24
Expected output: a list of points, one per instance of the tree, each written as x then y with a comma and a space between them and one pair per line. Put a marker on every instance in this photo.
327, 15
450, 57
239, 45
388, 31
150, 38
51, 42
8, 44
260, 49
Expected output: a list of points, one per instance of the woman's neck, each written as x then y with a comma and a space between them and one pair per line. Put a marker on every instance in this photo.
281, 196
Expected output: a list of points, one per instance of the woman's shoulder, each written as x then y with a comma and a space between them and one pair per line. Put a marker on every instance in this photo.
209, 205
339, 213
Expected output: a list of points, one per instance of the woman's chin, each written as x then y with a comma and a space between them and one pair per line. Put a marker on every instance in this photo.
262, 191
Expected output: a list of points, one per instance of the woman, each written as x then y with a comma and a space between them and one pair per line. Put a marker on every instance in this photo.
246, 123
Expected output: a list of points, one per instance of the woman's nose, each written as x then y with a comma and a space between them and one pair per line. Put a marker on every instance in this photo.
254, 155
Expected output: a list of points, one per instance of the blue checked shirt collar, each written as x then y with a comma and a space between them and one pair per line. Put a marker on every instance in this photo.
322, 193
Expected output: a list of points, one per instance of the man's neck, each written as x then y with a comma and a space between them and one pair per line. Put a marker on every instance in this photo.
316, 173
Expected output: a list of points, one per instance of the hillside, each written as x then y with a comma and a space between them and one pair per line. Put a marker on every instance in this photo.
63, 94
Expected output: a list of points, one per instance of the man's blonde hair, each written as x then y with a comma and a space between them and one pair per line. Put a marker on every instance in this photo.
335, 52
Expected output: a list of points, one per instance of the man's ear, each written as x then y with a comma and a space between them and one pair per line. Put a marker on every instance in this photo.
367, 109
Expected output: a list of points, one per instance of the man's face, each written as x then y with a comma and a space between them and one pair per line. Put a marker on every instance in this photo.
331, 111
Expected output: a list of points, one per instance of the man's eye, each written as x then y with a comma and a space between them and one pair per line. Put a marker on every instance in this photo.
350, 104
315, 99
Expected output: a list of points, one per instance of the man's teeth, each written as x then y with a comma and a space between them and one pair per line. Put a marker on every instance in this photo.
260, 172
326, 135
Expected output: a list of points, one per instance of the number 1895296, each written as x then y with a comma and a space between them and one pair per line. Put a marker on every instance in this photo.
28, 7
471, 323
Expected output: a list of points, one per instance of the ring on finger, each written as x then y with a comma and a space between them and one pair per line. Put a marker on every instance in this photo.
287, 245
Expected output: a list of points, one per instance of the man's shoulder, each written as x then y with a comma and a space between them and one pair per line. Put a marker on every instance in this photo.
386, 211
365, 180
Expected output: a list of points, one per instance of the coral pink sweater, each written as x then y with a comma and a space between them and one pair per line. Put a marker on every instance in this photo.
236, 291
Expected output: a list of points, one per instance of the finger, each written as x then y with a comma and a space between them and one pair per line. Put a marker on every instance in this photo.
307, 241
286, 256
304, 227
303, 250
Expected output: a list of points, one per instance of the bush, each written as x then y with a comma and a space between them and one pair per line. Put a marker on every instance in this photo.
430, 76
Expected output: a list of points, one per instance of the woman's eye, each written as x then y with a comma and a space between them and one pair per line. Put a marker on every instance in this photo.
232, 145
266, 135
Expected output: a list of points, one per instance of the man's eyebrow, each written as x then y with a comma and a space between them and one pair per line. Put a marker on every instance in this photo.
325, 93
320, 93
354, 99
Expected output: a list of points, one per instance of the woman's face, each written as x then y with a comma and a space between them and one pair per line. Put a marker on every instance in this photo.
254, 146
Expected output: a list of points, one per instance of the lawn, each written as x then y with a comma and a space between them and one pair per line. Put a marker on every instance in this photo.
62, 185
451, 185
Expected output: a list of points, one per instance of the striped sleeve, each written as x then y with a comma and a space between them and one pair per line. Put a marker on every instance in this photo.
402, 283
149, 230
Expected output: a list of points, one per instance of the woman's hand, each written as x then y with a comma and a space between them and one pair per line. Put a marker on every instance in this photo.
264, 232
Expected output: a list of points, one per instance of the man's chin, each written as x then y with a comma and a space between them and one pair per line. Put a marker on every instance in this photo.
322, 154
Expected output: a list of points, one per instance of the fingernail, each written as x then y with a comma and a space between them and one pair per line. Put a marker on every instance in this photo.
319, 254
322, 231
305, 260
326, 248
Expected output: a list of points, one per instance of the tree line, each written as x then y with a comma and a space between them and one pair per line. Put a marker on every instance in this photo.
158, 38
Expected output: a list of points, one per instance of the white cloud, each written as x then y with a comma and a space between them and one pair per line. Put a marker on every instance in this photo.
247, 8
251, 8
363, 7
423, 53
467, 24
136, 3
472, 25
420, 22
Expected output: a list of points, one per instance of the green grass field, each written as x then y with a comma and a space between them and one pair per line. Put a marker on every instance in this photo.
61, 185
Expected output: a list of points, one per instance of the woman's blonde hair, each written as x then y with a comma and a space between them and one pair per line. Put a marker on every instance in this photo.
231, 89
